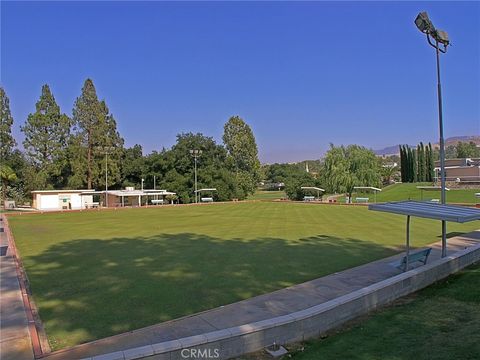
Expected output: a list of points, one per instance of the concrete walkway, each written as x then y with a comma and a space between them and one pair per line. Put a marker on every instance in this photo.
15, 343
278, 303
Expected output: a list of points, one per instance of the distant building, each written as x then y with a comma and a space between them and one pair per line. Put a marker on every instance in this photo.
460, 170
50, 200
61, 199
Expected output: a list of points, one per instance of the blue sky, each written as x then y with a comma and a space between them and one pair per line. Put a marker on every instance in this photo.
302, 74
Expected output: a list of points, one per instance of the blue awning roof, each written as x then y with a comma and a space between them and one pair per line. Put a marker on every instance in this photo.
429, 210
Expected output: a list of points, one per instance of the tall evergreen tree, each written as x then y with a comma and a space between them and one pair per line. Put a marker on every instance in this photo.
427, 164
95, 134
431, 163
410, 164
241, 146
420, 162
47, 132
402, 163
7, 142
407, 164
414, 166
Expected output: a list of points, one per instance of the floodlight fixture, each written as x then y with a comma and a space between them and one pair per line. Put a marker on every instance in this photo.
442, 37
424, 24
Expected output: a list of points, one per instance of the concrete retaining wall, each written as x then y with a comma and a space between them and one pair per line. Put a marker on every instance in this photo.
300, 325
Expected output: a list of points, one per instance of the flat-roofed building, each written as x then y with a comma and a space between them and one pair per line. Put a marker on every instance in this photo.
62, 199
465, 170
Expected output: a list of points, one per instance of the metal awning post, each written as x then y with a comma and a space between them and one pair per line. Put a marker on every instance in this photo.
407, 265
123, 201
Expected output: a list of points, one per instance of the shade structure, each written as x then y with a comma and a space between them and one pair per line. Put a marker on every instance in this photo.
312, 188
374, 189
427, 210
366, 188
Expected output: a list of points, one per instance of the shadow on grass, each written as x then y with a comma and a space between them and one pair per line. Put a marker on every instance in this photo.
87, 289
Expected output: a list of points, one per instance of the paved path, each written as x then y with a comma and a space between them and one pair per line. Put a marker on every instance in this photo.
259, 308
15, 343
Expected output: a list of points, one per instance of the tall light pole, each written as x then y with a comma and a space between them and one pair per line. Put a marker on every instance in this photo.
424, 24
196, 154
106, 150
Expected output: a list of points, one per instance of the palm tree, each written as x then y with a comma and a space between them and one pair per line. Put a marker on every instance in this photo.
388, 172
7, 175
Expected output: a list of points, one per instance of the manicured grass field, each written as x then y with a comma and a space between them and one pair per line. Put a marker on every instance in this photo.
99, 273
399, 192
441, 322
267, 195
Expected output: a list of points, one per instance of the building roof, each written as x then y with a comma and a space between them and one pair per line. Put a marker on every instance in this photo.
312, 188
62, 191
432, 188
130, 192
367, 188
429, 210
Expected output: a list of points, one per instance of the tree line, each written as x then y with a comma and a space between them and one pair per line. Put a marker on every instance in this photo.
417, 165
341, 169
62, 151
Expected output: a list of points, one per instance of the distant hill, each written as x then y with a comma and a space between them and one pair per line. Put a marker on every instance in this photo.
394, 150
456, 139
390, 150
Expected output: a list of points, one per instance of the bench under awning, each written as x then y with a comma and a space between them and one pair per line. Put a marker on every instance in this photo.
428, 210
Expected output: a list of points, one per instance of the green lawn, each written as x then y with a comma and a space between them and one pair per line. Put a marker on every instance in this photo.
399, 192
99, 273
267, 195
441, 322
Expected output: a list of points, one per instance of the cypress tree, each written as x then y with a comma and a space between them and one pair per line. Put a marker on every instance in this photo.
414, 165
431, 163
421, 162
402, 163
427, 164
408, 164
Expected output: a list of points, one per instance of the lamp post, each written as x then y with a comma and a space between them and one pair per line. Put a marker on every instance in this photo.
440, 43
106, 150
196, 154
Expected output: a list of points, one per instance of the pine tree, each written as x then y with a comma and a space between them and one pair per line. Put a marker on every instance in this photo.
46, 137
95, 134
7, 142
